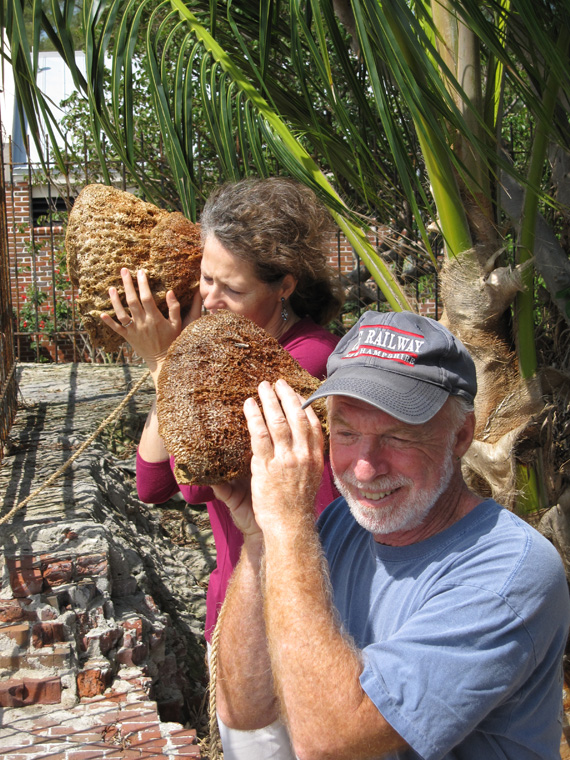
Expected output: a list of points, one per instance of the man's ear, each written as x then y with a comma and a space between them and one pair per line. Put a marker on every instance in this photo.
464, 435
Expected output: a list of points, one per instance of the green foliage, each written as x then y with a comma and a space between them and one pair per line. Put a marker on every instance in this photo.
205, 90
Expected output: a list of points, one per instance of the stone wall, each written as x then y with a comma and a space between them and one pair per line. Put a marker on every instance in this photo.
95, 587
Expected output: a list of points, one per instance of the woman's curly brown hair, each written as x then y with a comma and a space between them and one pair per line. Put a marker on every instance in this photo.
280, 227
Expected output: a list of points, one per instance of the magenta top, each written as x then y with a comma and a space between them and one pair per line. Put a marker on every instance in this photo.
308, 343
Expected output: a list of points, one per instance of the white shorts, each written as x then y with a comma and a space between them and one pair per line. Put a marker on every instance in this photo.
268, 743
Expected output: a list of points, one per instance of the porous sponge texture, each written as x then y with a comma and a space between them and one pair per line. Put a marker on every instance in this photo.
108, 229
211, 368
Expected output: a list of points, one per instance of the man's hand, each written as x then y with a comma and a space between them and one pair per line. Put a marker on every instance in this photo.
287, 462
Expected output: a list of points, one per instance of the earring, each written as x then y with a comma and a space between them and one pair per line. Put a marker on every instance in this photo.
284, 312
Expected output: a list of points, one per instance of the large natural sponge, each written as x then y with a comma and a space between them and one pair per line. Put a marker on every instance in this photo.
211, 368
109, 229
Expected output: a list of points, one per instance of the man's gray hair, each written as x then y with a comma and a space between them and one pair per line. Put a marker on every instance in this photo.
458, 408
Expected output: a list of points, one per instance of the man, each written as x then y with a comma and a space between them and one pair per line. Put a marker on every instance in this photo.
436, 626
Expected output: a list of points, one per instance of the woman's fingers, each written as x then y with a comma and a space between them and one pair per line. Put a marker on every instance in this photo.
131, 295
173, 309
140, 322
237, 496
195, 309
141, 306
116, 326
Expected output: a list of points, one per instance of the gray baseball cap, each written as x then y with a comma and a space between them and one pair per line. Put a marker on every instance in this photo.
401, 363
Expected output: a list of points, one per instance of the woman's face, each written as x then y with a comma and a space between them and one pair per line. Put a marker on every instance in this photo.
227, 282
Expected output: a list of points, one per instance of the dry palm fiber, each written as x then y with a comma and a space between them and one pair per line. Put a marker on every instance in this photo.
109, 229
211, 368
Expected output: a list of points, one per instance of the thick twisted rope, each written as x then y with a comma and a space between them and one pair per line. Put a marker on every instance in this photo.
115, 413
214, 729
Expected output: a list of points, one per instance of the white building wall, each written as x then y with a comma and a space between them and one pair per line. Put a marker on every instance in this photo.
54, 80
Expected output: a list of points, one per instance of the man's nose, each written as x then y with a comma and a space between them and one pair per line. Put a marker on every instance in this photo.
371, 462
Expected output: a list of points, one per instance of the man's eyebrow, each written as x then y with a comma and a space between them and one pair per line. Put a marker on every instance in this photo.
398, 428
338, 417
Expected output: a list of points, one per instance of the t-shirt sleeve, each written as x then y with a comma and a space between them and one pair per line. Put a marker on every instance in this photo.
155, 481
463, 661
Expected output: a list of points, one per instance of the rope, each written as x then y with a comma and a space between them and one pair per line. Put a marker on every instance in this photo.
79, 451
214, 729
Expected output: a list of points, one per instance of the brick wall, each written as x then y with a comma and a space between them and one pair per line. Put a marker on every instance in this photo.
46, 334
34, 266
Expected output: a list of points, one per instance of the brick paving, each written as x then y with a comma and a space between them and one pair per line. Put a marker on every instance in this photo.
122, 724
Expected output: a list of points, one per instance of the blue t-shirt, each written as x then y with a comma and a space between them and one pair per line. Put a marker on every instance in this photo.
462, 634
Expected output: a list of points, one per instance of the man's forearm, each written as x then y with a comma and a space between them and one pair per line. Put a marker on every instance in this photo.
245, 693
316, 669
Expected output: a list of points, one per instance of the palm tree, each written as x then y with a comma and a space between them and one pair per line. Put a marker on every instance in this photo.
375, 104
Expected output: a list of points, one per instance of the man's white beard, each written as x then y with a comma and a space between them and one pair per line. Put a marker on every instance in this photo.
401, 516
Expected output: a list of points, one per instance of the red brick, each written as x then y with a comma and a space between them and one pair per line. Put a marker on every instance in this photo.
59, 731
59, 657
108, 639
30, 691
46, 634
135, 625
82, 622
152, 747
151, 604
11, 610
93, 681
29, 753
25, 575
92, 565
125, 656
19, 633
11, 662
182, 736
57, 572
87, 737
136, 728
143, 735
187, 751
141, 718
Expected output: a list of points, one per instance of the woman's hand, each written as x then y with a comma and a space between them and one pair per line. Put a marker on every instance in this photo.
237, 496
143, 326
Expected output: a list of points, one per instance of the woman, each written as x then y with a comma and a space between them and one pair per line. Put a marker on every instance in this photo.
265, 257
